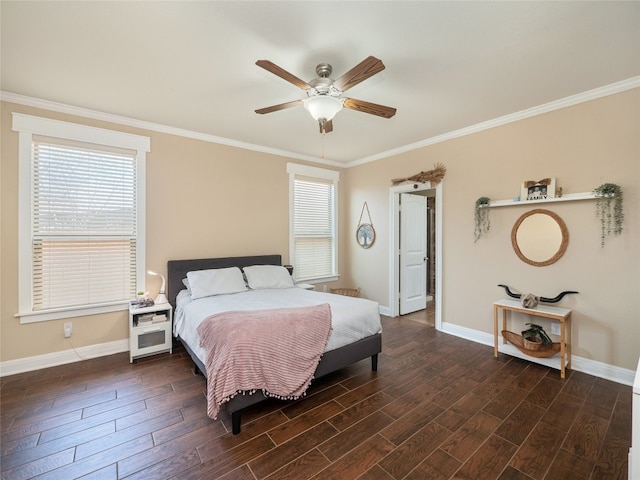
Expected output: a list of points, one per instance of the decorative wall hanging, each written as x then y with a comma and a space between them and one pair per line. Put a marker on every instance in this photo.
529, 300
434, 176
365, 233
538, 190
482, 223
555, 299
609, 209
539, 237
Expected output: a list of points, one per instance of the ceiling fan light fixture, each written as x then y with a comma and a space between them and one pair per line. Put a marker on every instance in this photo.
324, 99
323, 106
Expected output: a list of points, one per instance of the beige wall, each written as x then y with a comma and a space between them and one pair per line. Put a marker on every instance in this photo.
582, 146
205, 199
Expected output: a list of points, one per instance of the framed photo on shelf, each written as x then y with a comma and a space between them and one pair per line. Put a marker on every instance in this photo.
538, 190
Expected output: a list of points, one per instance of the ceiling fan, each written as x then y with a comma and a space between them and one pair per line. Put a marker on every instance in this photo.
324, 95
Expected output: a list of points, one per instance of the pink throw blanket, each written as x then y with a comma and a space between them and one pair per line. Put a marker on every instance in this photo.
276, 351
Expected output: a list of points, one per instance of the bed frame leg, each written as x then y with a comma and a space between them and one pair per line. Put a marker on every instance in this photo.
374, 362
235, 422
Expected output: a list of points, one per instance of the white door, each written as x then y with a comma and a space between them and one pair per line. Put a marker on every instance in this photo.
413, 253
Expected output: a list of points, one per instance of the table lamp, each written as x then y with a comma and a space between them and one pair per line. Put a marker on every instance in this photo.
162, 297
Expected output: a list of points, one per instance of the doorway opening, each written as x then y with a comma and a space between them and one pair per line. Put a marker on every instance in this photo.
400, 267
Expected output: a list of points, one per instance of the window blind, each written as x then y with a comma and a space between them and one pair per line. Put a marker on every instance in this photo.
83, 224
314, 231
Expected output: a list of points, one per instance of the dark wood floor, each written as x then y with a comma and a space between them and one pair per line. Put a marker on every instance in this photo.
439, 407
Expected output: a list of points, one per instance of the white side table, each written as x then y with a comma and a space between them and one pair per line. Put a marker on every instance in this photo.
561, 315
150, 337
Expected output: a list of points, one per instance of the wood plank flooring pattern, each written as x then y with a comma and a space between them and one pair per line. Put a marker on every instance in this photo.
439, 407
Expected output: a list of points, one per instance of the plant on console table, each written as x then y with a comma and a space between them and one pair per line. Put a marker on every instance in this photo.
609, 209
482, 223
536, 336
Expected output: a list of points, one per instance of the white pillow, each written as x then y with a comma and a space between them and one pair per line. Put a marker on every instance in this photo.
268, 276
218, 281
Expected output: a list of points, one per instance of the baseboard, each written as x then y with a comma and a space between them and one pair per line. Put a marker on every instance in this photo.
29, 364
603, 370
580, 364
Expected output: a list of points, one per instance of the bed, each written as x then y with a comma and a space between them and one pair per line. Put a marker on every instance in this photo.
339, 353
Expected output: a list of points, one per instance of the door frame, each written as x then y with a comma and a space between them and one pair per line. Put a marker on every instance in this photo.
394, 246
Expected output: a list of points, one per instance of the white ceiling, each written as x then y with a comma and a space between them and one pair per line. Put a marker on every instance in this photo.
191, 65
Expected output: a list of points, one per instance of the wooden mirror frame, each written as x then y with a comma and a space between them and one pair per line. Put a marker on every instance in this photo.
563, 244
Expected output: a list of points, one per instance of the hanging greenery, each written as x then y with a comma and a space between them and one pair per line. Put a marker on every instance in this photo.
482, 223
609, 210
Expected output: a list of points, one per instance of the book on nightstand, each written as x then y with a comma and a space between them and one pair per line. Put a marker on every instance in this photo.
144, 319
159, 318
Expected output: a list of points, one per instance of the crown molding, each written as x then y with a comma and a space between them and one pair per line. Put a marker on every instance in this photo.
154, 127
589, 95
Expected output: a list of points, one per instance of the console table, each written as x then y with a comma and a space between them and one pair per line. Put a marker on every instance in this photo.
561, 315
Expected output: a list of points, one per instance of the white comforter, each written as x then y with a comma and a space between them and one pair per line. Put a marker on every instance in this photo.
352, 318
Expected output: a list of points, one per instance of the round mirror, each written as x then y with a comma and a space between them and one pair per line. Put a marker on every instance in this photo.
539, 237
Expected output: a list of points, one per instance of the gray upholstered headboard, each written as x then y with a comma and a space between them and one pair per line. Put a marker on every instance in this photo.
177, 269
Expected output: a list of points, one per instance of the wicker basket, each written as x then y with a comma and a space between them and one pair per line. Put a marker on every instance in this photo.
542, 352
533, 346
347, 292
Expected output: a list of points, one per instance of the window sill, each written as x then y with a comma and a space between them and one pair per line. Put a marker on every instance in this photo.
60, 313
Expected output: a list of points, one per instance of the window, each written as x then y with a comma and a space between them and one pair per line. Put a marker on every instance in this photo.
313, 220
81, 231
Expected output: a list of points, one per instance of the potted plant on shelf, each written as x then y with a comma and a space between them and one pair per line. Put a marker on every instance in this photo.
535, 338
609, 209
482, 223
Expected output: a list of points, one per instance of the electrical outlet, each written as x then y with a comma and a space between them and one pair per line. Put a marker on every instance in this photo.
325, 288
67, 329
555, 328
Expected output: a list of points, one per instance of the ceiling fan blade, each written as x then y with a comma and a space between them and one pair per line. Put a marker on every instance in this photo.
281, 106
326, 126
368, 107
365, 69
282, 73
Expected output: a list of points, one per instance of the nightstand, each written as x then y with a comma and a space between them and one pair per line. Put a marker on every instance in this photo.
150, 330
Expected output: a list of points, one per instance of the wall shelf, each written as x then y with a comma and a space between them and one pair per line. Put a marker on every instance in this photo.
569, 197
